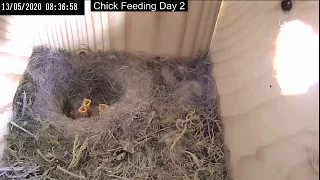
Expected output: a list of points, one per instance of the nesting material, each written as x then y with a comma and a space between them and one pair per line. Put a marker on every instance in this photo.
157, 119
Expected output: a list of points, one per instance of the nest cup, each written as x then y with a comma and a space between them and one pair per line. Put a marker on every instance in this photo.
157, 118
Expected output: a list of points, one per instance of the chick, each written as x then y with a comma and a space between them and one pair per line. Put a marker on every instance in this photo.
80, 113
98, 109
87, 103
103, 107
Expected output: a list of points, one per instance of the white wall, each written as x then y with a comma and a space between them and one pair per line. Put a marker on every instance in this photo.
271, 135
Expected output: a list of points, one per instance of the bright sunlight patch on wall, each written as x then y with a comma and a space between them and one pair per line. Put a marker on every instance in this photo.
297, 58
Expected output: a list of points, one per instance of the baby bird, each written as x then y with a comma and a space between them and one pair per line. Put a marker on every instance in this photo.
80, 113
87, 103
83, 111
103, 107
98, 109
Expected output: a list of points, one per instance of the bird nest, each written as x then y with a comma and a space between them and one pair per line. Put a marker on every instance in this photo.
158, 118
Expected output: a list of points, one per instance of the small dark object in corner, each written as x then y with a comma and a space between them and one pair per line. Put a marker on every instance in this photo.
286, 5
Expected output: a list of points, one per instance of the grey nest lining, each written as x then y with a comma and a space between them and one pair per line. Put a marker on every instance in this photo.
162, 122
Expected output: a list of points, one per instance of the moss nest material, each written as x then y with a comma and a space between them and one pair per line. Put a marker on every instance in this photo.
162, 121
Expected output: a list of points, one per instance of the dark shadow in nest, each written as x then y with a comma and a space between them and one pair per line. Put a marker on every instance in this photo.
100, 89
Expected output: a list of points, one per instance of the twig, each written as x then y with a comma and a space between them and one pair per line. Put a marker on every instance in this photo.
124, 178
24, 102
194, 158
44, 175
136, 166
107, 151
167, 96
24, 130
70, 173
177, 138
119, 69
9, 169
112, 85
141, 138
104, 100
24, 174
77, 152
43, 157
49, 178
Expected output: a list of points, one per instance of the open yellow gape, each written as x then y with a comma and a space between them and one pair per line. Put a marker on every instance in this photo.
86, 102
103, 107
83, 111
85, 108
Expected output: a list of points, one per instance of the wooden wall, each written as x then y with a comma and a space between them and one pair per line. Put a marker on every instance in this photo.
164, 33
271, 136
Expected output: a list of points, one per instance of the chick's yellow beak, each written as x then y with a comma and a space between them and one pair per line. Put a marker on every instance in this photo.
86, 102
83, 109
103, 107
